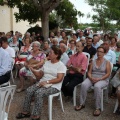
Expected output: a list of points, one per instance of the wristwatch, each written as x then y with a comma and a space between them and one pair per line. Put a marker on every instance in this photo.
47, 82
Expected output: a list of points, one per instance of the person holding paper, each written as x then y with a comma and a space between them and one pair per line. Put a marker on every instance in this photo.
52, 73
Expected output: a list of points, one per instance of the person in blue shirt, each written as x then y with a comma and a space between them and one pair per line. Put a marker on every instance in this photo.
5, 64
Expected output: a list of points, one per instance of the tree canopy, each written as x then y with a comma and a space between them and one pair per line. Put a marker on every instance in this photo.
106, 11
35, 10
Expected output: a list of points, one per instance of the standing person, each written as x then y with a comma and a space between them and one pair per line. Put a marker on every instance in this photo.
5, 64
98, 75
77, 66
52, 72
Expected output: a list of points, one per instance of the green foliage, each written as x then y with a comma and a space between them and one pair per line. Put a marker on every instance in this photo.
68, 13
107, 11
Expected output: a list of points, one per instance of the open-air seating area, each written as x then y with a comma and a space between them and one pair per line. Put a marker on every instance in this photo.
69, 112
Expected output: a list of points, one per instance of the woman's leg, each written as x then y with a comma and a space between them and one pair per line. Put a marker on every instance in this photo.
83, 91
98, 92
22, 73
39, 95
29, 93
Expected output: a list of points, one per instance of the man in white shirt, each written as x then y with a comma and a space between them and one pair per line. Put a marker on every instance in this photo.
95, 43
64, 57
5, 64
7, 48
110, 55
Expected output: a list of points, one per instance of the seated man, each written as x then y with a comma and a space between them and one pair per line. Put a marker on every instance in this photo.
76, 65
109, 55
5, 64
64, 58
89, 48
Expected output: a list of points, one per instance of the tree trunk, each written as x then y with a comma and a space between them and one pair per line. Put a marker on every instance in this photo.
45, 25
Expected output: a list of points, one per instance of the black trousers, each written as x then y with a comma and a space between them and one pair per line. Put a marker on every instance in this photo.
69, 82
5, 78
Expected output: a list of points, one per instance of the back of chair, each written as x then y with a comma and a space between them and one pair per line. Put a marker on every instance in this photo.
6, 95
88, 57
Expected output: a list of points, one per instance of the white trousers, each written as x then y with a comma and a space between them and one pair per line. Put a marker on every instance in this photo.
86, 84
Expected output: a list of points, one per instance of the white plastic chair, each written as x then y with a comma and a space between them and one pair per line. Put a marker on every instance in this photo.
50, 98
5, 84
116, 106
75, 88
6, 96
12, 65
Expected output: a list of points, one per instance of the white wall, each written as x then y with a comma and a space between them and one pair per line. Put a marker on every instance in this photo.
8, 21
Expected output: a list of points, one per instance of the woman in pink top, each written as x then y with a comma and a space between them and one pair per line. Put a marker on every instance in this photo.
76, 68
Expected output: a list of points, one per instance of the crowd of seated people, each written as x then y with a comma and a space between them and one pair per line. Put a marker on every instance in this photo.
43, 61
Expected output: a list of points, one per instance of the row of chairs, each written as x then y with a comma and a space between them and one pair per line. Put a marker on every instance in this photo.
10, 89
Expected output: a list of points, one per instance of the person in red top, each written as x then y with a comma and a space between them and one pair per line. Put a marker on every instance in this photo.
77, 66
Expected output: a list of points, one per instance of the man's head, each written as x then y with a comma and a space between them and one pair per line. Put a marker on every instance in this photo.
89, 41
55, 41
95, 39
46, 45
63, 47
106, 45
80, 33
79, 47
4, 42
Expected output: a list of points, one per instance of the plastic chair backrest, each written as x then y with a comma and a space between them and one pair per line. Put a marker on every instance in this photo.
88, 57
6, 95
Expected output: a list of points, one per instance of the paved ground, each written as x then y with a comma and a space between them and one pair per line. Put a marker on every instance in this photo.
70, 113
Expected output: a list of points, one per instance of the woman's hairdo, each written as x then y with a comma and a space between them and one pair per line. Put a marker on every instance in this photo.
57, 51
102, 48
37, 43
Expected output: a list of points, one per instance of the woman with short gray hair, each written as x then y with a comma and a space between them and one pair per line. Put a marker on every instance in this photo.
35, 60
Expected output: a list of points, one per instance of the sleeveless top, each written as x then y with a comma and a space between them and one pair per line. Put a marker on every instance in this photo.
99, 72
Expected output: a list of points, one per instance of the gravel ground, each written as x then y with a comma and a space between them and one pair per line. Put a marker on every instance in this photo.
70, 113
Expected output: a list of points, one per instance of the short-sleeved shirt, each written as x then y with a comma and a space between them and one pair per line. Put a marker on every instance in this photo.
64, 58
110, 56
96, 46
79, 61
91, 50
11, 51
51, 70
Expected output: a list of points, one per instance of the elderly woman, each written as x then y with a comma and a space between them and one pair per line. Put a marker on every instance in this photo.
14, 44
35, 60
23, 53
54, 71
98, 75
113, 43
72, 48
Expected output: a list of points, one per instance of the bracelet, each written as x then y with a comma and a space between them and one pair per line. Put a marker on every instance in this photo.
48, 82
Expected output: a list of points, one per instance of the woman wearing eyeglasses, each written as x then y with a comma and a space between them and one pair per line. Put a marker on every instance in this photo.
35, 60
98, 76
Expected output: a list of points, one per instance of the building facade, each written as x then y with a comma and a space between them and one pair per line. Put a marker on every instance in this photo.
8, 21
